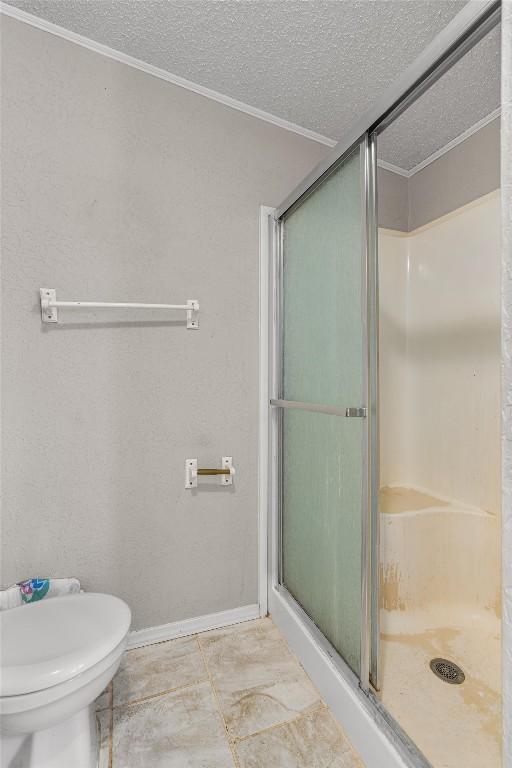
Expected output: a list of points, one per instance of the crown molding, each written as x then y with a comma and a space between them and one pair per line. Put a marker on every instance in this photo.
457, 140
181, 82
440, 152
162, 74
393, 168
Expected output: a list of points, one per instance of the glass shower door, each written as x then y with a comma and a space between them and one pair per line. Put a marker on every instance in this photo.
323, 405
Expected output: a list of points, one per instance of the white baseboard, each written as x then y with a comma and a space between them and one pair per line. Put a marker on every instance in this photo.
141, 637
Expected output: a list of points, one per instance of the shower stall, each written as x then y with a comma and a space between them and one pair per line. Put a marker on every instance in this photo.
384, 334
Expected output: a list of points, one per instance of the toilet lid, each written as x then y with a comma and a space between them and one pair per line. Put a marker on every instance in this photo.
46, 643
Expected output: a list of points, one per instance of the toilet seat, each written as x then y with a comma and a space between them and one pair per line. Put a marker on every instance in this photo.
51, 643
25, 702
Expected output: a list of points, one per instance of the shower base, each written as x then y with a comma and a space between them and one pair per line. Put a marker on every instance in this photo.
427, 612
455, 726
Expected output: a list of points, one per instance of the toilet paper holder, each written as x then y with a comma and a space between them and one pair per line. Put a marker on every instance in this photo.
225, 472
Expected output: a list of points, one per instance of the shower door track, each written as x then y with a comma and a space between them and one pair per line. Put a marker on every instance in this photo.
339, 685
370, 705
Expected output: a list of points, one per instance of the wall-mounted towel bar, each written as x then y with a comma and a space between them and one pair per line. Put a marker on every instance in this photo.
192, 471
50, 305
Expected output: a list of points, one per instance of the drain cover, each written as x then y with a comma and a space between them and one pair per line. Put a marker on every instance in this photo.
447, 671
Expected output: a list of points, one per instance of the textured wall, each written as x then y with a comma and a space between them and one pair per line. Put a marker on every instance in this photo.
119, 186
393, 200
506, 287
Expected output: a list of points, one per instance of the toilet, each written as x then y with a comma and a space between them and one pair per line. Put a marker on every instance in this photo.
56, 657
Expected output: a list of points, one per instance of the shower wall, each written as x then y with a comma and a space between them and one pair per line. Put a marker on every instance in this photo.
440, 480
453, 351
440, 353
393, 363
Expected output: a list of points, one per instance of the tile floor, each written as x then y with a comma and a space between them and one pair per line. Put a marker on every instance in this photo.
229, 698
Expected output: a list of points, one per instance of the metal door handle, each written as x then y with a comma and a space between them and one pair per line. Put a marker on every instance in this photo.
355, 413
333, 410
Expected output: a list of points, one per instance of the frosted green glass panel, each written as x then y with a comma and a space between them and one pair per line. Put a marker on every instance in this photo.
321, 523
323, 363
322, 340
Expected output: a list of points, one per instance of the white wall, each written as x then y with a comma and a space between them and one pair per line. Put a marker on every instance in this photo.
440, 421
120, 186
393, 266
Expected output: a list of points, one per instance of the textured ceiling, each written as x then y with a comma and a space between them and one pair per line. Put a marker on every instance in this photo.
468, 92
317, 63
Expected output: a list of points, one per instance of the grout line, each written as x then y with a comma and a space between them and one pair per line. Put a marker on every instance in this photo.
111, 726
283, 723
157, 695
217, 701
293, 655
322, 705
233, 740
357, 760
110, 689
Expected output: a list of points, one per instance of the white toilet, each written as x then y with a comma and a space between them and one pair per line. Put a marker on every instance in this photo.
56, 657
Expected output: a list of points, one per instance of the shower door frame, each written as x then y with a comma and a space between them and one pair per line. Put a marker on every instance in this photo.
366, 148
327, 668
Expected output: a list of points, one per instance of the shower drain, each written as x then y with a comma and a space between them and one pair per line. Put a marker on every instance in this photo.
447, 671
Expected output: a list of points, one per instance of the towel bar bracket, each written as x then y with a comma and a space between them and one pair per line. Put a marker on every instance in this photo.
49, 314
192, 314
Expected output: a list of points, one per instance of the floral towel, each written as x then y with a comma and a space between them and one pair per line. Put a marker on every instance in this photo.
32, 590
